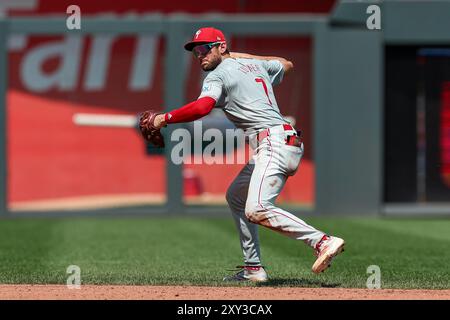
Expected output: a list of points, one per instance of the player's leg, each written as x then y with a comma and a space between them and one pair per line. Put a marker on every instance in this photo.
248, 232
273, 164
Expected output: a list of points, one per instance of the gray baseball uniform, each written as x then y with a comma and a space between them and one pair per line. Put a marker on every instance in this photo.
243, 88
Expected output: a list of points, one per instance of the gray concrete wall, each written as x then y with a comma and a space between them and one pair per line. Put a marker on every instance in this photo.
348, 118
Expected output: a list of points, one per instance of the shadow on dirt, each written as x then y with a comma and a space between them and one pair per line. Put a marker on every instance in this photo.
278, 282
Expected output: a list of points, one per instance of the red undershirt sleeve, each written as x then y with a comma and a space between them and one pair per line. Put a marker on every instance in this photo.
191, 111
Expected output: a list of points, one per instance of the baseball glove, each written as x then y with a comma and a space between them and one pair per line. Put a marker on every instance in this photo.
148, 130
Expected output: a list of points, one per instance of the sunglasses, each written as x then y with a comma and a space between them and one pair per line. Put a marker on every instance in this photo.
204, 49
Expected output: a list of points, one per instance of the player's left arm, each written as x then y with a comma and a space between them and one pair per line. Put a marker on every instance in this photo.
288, 66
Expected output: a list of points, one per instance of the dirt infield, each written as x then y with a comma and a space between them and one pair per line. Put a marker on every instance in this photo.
91, 292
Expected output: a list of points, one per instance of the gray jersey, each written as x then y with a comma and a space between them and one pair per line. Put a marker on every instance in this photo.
243, 88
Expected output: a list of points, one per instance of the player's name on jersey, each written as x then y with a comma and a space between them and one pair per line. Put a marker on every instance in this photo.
250, 68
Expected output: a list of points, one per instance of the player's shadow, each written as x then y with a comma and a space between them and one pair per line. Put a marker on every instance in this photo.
295, 282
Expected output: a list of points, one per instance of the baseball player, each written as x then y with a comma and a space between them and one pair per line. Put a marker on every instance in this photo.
241, 84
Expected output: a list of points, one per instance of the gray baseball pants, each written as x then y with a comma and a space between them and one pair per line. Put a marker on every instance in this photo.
252, 194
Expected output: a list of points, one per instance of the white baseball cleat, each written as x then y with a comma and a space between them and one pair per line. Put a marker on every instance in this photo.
249, 273
327, 248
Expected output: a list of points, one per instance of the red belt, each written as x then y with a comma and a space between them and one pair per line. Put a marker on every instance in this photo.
292, 140
266, 133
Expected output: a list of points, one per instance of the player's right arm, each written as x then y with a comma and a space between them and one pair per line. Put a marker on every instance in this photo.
211, 93
288, 66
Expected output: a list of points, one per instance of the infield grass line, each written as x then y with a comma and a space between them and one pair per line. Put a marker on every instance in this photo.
411, 253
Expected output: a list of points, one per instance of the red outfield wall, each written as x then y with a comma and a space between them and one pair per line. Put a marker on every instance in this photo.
53, 78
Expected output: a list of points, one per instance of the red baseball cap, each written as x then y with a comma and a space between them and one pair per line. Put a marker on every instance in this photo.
205, 35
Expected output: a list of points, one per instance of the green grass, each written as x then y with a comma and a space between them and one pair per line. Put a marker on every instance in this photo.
412, 253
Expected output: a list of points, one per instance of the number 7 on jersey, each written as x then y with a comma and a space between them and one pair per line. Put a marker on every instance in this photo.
261, 80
